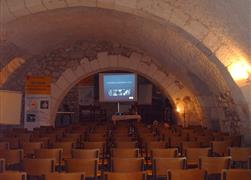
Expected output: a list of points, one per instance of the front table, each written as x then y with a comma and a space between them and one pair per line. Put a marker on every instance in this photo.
116, 118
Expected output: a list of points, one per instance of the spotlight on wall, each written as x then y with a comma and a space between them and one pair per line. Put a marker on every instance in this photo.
240, 70
180, 108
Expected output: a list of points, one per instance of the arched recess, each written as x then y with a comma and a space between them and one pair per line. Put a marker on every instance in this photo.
170, 86
198, 48
167, 40
174, 49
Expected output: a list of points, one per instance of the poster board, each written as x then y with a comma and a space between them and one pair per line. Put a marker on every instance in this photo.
37, 101
10, 107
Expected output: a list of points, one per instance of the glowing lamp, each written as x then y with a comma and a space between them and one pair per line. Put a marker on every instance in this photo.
240, 70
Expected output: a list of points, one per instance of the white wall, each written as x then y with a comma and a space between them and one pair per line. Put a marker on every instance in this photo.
10, 107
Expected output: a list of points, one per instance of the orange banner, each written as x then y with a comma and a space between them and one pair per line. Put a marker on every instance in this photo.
38, 85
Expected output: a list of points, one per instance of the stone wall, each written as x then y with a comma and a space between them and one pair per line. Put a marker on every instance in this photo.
57, 62
60, 60
72, 101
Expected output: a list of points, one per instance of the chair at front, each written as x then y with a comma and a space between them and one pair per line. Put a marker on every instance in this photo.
164, 153
125, 153
187, 174
55, 153
2, 165
89, 166
64, 176
161, 165
214, 165
126, 144
13, 175
85, 153
220, 148
240, 156
67, 148
38, 167
154, 145
12, 157
127, 164
125, 176
235, 174
30, 147
189, 144
4, 145
249, 162
193, 155
95, 145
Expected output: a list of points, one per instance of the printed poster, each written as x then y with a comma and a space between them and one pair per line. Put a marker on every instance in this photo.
37, 101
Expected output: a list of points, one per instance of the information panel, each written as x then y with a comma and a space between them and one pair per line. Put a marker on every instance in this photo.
37, 101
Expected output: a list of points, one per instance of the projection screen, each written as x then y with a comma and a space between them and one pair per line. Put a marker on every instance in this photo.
120, 87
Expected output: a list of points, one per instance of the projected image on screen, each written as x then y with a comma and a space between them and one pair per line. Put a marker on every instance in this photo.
118, 87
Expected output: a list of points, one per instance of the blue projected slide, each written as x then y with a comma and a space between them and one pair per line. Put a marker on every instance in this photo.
118, 87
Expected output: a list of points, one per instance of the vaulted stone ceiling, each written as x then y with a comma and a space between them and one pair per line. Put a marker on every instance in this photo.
221, 25
42, 32
192, 39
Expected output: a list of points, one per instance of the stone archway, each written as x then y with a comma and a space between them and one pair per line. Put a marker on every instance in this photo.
200, 45
181, 51
141, 65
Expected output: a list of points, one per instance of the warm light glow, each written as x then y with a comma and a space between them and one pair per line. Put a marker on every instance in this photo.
179, 108
240, 70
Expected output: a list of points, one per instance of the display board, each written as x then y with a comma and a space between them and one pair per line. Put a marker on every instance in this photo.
117, 87
37, 101
10, 107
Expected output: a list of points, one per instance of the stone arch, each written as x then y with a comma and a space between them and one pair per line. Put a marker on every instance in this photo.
141, 65
206, 44
211, 47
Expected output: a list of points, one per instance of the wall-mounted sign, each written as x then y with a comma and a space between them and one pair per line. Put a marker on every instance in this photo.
38, 85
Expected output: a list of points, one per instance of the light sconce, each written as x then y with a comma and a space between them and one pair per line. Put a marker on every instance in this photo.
240, 70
